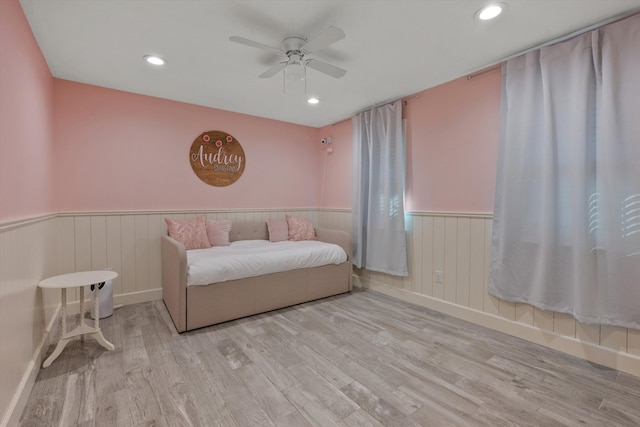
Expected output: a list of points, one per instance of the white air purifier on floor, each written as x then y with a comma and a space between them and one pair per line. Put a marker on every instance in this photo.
105, 299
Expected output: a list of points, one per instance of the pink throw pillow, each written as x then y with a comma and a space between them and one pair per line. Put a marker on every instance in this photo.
278, 230
218, 232
300, 229
192, 233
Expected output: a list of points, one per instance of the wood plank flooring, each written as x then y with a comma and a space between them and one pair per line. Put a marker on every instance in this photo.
361, 359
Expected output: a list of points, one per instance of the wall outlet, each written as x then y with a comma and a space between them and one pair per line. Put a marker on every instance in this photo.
438, 276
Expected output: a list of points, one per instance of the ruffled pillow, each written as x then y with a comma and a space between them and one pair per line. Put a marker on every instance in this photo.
218, 232
300, 229
278, 230
192, 233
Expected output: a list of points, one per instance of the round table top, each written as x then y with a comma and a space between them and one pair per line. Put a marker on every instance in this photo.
80, 278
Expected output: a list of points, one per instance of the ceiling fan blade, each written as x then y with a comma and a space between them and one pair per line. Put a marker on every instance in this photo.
325, 68
251, 43
324, 39
274, 70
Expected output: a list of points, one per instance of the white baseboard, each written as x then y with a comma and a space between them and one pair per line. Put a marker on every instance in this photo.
138, 297
355, 280
21, 395
623, 362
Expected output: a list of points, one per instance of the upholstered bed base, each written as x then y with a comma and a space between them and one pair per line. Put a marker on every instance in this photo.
193, 307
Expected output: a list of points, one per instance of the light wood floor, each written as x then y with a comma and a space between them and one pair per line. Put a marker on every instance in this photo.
362, 359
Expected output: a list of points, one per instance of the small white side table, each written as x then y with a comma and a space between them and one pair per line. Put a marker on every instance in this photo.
73, 280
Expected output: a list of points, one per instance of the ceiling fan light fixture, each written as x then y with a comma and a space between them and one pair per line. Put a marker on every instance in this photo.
295, 69
154, 60
490, 11
294, 72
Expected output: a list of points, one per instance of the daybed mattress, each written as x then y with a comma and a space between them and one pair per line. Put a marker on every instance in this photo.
250, 258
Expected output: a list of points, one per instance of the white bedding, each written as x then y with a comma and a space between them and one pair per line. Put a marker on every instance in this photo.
249, 258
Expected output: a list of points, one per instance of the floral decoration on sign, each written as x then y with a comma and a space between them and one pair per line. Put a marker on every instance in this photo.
217, 158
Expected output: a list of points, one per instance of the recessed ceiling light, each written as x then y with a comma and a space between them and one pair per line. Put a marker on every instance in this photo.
155, 60
490, 11
313, 100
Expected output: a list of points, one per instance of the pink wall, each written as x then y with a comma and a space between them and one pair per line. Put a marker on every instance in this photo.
452, 146
452, 143
26, 117
336, 174
122, 151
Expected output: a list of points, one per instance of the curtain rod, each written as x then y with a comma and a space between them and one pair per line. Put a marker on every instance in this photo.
403, 99
484, 71
560, 39
380, 104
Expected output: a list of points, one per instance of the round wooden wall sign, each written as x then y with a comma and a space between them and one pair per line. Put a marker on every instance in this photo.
217, 158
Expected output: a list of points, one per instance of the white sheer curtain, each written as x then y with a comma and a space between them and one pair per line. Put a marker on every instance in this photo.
379, 241
566, 231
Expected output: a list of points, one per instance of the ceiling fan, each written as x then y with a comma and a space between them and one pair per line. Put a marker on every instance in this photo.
296, 49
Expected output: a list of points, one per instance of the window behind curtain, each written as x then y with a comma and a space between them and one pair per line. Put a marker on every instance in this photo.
379, 240
566, 233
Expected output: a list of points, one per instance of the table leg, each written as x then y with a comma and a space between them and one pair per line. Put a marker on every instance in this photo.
63, 331
96, 322
96, 307
103, 341
63, 310
82, 310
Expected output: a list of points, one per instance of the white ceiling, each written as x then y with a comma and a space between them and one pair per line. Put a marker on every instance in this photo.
393, 48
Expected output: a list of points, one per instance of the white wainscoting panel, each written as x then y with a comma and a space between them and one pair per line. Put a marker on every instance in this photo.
459, 246
27, 255
129, 243
338, 219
